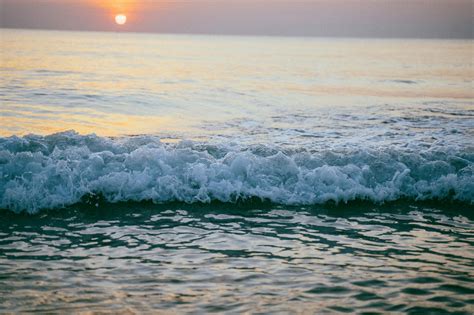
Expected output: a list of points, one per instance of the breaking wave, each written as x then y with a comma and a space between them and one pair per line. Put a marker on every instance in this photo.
47, 172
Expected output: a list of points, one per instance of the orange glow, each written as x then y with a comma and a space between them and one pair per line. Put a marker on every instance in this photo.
120, 19
117, 6
130, 9
120, 10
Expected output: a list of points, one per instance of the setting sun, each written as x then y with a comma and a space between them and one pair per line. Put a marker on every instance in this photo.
120, 19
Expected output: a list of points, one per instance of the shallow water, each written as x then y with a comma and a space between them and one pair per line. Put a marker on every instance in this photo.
235, 174
253, 257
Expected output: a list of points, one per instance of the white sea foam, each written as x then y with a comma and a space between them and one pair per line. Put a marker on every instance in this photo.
59, 170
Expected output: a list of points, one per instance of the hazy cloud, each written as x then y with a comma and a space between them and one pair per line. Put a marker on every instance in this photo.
361, 18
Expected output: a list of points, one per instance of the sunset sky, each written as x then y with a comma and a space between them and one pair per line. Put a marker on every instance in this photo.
351, 18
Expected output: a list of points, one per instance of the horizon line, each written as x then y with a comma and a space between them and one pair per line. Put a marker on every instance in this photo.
236, 34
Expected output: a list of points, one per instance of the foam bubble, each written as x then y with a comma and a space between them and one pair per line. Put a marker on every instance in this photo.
46, 172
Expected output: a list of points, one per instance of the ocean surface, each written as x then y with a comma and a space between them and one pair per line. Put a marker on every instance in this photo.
195, 174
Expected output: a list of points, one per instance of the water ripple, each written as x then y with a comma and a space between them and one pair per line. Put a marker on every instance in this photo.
140, 258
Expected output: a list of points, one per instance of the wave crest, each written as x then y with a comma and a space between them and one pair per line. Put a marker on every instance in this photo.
55, 171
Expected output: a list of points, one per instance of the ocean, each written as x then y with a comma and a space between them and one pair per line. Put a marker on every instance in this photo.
144, 173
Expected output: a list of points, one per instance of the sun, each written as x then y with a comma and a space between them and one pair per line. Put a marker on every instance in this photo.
120, 19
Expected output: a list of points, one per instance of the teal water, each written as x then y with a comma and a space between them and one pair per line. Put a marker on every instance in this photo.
403, 257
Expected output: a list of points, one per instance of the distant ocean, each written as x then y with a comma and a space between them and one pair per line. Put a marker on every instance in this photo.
144, 172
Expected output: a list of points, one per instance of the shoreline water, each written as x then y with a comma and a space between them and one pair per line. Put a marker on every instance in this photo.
63, 169
139, 257
235, 174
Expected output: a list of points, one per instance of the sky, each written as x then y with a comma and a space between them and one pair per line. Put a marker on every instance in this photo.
338, 18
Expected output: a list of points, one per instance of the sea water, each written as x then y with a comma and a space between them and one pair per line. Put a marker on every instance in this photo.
145, 172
